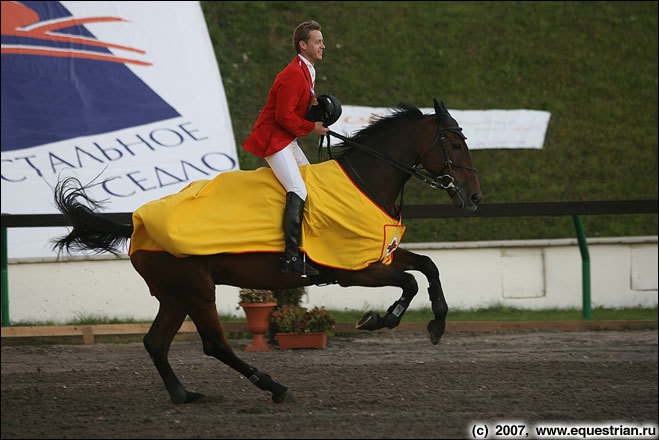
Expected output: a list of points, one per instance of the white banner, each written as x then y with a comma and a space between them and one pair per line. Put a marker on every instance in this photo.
483, 128
126, 94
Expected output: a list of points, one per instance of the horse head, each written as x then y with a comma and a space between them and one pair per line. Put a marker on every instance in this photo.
449, 161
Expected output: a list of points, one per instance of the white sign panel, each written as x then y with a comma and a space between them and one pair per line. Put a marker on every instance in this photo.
483, 128
125, 94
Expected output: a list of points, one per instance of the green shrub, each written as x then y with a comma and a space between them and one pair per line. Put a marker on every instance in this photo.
255, 296
290, 297
296, 319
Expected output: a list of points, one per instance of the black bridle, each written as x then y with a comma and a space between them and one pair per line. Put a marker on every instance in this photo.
444, 181
441, 181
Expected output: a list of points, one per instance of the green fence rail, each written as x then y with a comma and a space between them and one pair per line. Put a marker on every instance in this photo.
573, 209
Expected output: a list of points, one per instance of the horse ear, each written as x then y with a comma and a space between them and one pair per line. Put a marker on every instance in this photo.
442, 113
440, 110
445, 117
443, 107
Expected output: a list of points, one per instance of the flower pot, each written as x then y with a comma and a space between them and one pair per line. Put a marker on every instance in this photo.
302, 340
258, 322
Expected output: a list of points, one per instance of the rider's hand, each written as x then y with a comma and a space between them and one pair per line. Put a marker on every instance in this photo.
319, 129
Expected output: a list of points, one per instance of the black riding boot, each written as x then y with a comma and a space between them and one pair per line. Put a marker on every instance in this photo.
293, 260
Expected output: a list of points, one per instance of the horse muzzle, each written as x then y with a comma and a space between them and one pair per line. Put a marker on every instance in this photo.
461, 199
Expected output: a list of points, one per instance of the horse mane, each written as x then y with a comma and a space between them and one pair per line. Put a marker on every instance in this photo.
380, 126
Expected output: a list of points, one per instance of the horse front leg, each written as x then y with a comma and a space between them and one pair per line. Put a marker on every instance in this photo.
406, 260
379, 275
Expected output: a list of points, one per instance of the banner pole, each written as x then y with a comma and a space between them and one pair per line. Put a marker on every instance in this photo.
5, 281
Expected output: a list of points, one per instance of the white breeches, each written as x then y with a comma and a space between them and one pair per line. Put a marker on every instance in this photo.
286, 165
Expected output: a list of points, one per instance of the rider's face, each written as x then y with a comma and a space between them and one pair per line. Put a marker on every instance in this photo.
312, 49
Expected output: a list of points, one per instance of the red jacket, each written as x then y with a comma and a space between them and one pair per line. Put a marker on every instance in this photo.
282, 118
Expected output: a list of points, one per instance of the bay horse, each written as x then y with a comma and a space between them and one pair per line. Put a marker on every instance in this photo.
379, 159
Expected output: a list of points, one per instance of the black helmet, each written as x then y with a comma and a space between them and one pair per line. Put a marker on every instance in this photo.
327, 110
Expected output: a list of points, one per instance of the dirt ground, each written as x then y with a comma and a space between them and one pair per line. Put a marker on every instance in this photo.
384, 385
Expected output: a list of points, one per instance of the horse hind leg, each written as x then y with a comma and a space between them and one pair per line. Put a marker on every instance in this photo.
157, 342
215, 344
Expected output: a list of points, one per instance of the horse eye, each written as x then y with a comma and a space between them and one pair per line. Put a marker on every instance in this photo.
457, 146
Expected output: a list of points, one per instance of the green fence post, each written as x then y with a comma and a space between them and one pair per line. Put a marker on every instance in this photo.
585, 267
5, 281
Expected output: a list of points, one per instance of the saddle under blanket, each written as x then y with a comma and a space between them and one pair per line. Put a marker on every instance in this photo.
242, 211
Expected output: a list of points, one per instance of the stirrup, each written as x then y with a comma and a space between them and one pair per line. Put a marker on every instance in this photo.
298, 265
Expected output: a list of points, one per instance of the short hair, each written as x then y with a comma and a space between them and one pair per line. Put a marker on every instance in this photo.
303, 32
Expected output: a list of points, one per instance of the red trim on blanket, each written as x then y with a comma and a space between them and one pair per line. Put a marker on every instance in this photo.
263, 252
146, 250
337, 268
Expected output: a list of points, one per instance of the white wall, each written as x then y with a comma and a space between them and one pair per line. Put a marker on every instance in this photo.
535, 274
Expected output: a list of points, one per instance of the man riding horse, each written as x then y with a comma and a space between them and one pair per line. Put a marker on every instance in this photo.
275, 133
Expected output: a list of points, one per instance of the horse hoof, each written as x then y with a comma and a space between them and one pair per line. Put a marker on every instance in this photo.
193, 397
370, 321
436, 330
287, 397
187, 398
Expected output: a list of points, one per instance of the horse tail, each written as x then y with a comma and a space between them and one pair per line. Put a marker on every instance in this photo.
91, 230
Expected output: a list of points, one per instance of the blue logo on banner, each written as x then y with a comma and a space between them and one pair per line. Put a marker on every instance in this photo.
61, 82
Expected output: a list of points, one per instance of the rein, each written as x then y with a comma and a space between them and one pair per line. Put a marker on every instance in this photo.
442, 181
413, 170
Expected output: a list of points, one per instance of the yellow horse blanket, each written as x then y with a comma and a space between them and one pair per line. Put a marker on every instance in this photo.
242, 211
